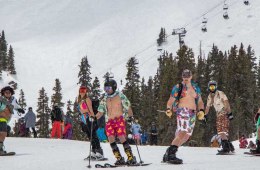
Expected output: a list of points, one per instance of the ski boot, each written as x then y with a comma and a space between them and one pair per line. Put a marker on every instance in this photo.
3, 152
170, 155
120, 162
119, 159
257, 150
225, 148
99, 154
131, 160
231, 147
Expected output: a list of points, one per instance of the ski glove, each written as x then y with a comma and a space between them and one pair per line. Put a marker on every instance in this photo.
201, 114
230, 116
20, 110
168, 112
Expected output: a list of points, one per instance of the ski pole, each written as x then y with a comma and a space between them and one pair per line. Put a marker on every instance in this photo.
91, 129
137, 148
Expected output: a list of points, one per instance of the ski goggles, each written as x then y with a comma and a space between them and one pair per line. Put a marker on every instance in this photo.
212, 87
107, 88
186, 74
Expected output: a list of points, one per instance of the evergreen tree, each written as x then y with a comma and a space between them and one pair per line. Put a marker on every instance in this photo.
162, 37
132, 88
96, 88
21, 100
10, 61
3, 51
56, 98
165, 79
185, 59
43, 115
13, 84
148, 112
84, 73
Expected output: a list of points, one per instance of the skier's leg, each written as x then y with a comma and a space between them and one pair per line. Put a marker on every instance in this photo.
53, 130
34, 132
223, 129
183, 132
3, 134
110, 131
27, 130
58, 129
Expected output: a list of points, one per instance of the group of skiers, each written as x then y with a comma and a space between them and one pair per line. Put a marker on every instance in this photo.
185, 100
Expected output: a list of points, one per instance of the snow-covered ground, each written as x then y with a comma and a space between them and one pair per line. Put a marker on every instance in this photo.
56, 154
50, 37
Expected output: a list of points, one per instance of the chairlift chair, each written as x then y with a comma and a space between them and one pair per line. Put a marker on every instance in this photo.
204, 28
225, 15
205, 20
246, 2
225, 6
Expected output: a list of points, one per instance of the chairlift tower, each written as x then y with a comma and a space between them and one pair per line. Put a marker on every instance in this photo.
108, 75
181, 32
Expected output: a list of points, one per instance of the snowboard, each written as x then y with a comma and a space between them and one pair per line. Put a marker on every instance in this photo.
253, 154
8, 154
107, 165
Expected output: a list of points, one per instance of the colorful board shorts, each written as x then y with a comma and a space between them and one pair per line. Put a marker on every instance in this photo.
185, 120
222, 123
116, 127
137, 136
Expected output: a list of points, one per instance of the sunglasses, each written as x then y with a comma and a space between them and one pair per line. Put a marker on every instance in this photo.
107, 88
83, 91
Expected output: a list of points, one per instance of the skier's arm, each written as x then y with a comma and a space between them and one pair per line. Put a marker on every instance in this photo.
89, 103
200, 104
99, 115
209, 104
227, 106
130, 112
170, 102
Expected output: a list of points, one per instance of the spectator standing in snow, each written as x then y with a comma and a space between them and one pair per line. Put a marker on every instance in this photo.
136, 129
30, 119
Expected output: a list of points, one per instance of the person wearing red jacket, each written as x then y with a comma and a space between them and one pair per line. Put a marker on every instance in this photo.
243, 142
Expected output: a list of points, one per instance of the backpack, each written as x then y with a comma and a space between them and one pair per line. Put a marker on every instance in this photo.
176, 102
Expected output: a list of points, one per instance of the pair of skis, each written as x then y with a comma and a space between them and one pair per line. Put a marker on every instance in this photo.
253, 154
8, 154
107, 165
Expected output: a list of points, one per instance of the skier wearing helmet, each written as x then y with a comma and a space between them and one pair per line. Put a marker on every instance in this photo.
219, 100
114, 105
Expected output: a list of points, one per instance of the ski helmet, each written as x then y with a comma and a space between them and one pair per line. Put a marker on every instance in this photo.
211, 86
7, 88
111, 83
83, 89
